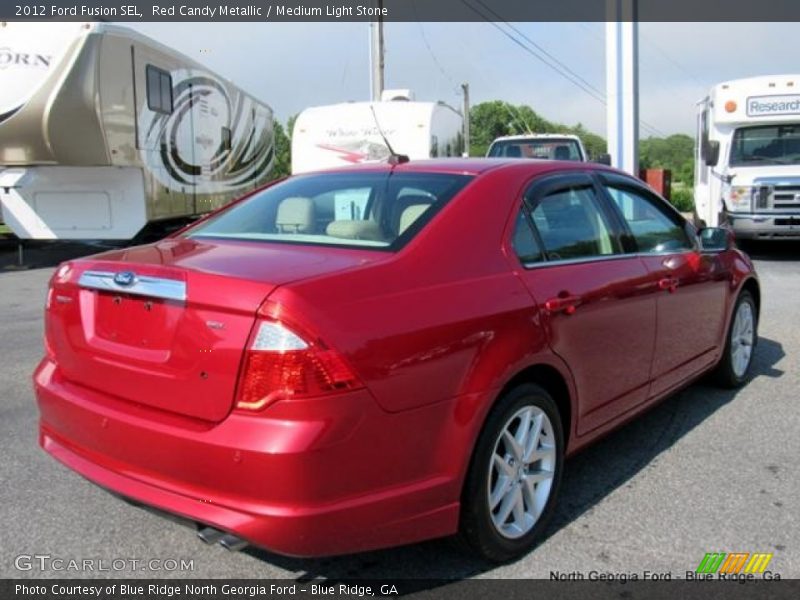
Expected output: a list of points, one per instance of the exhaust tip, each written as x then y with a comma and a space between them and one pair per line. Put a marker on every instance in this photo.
210, 535
232, 543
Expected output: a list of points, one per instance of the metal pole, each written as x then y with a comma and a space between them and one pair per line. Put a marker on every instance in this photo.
376, 56
465, 89
622, 84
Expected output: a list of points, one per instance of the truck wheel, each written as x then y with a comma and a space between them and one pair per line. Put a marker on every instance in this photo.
737, 358
514, 477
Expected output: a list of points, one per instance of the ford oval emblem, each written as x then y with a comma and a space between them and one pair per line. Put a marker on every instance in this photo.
125, 278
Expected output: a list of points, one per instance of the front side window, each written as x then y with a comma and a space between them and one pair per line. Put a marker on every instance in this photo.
572, 225
652, 228
379, 210
765, 145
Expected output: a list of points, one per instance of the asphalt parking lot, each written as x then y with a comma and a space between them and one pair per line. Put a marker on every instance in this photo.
706, 471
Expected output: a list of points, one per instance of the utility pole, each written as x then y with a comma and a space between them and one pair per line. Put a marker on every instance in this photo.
622, 84
465, 91
376, 55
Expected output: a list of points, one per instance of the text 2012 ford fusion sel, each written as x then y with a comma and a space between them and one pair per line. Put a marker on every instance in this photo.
374, 356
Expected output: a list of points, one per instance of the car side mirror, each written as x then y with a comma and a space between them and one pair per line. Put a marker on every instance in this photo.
712, 153
603, 159
716, 239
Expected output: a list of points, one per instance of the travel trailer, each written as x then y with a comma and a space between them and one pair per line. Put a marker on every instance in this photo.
547, 146
104, 131
747, 164
326, 137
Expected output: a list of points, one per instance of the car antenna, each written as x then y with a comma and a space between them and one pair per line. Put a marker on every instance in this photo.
394, 157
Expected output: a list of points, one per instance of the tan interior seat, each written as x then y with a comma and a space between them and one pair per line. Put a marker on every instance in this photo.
295, 215
355, 230
411, 214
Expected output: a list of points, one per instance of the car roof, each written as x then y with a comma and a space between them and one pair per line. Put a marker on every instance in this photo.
470, 166
537, 136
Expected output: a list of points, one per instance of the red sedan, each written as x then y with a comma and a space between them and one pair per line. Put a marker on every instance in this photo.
369, 357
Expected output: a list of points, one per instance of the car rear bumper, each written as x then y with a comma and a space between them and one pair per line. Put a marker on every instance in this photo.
306, 478
763, 226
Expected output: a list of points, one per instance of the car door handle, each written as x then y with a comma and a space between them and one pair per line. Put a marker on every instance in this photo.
668, 284
565, 304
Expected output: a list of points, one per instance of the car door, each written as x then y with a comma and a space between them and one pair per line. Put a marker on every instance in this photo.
589, 293
690, 285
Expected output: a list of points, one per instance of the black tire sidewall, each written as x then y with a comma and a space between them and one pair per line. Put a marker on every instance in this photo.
725, 372
476, 522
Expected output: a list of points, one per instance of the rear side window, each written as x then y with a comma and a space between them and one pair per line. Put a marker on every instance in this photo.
159, 89
572, 225
653, 229
524, 241
380, 210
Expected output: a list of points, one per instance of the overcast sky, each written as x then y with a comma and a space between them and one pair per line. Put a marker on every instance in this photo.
291, 66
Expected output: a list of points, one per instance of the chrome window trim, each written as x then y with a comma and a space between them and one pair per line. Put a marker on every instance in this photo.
143, 285
603, 258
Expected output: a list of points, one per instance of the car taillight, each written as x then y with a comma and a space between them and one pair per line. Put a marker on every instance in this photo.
281, 364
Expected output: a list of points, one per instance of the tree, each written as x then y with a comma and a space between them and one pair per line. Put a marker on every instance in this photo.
490, 120
281, 167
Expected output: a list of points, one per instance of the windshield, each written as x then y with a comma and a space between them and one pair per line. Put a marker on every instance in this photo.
551, 149
379, 210
772, 145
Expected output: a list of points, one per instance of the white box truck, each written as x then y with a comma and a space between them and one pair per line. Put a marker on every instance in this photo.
326, 137
747, 163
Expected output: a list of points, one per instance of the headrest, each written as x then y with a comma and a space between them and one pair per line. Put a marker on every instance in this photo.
411, 214
355, 230
295, 215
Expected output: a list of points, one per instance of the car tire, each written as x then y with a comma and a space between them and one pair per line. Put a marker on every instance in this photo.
523, 472
733, 369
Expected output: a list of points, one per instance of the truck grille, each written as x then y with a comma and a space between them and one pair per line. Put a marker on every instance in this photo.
777, 197
784, 197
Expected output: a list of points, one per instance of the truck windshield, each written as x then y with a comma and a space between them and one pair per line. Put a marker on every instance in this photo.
550, 149
769, 144
378, 210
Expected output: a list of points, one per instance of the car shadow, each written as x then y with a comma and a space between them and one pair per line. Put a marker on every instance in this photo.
771, 250
43, 254
589, 477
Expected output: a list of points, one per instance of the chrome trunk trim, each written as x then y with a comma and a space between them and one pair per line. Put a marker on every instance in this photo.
140, 285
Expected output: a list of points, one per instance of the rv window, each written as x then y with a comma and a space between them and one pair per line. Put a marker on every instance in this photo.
227, 138
159, 90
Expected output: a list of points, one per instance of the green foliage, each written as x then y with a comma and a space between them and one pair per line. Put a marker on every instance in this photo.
283, 152
490, 120
675, 153
682, 198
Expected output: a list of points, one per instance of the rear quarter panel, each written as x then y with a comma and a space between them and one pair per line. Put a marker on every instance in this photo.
445, 317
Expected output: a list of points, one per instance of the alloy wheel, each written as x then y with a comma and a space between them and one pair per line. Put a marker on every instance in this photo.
521, 472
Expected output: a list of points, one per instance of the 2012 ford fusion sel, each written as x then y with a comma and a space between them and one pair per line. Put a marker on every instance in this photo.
374, 356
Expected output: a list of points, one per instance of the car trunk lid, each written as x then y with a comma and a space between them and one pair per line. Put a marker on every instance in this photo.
166, 325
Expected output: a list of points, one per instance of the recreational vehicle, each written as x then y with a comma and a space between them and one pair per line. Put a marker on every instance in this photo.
326, 137
747, 172
103, 130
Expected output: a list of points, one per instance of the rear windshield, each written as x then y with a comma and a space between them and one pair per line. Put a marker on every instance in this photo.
379, 210
549, 149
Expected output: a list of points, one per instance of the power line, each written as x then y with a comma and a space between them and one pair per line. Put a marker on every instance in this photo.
554, 63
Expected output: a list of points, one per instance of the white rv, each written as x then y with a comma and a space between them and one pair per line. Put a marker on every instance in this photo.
103, 130
325, 137
747, 164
